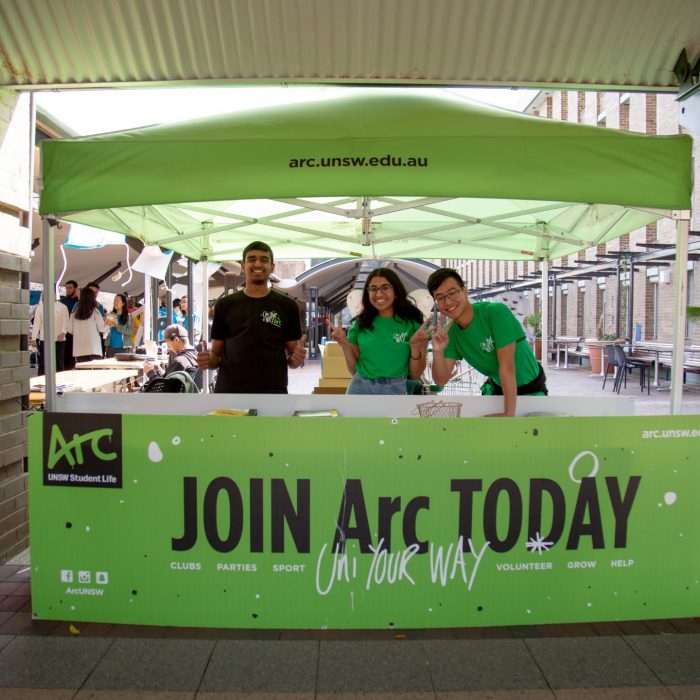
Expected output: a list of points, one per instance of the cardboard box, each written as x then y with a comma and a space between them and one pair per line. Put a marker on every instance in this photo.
334, 382
332, 349
329, 390
335, 367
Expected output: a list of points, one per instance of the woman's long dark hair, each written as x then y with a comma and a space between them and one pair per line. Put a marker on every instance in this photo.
403, 307
86, 305
123, 316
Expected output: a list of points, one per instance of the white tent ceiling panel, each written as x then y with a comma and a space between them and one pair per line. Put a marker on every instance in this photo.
458, 228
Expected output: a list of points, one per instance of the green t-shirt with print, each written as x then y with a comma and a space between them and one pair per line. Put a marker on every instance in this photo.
492, 327
385, 349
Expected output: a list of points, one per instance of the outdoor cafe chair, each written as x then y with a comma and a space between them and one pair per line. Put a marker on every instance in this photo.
624, 365
631, 363
610, 361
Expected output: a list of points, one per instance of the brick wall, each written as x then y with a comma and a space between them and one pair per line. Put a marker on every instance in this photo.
15, 242
288, 269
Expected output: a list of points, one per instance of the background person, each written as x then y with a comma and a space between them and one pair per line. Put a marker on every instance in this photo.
121, 327
70, 299
388, 340
489, 337
182, 357
60, 329
175, 315
196, 320
96, 289
87, 326
135, 314
256, 333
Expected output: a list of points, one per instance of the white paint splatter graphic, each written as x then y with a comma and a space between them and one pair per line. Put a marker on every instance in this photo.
575, 461
670, 498
538, 544
176, 440
155, 454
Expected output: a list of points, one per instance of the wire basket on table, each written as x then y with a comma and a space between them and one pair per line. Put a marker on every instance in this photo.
439, 409
465, 381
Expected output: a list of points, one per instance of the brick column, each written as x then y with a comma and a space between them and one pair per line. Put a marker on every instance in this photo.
15, 243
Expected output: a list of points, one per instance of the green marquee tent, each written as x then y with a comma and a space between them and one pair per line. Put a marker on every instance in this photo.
384, 174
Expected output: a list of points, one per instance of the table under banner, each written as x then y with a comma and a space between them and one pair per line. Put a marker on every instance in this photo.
268, 522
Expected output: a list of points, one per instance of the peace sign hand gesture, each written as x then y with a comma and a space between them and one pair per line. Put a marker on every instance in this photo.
421, 337
338, 334
441, 337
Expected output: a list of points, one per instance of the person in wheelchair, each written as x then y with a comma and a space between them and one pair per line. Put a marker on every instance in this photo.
183, 357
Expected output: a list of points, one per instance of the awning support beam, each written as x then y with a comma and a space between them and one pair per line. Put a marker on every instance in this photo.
679, 317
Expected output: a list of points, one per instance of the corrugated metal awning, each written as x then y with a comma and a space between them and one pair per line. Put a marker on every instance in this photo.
624, 44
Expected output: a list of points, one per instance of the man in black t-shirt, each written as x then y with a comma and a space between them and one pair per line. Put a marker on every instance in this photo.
256, 333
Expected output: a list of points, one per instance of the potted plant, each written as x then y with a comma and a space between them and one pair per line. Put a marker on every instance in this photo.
595, 346
693, 314
534, 321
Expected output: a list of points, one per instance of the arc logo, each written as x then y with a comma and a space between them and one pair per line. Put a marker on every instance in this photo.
82, 449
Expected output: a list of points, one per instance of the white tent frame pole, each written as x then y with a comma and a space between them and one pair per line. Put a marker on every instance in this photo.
204, 319
679, 318
146, 318
544, 307
48, 301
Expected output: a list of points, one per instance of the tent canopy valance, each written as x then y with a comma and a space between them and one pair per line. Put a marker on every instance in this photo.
384, 174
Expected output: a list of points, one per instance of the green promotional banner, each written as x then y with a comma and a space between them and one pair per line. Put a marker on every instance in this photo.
256, 522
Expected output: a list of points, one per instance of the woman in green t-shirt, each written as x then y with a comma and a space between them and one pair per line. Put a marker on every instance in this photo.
388, 341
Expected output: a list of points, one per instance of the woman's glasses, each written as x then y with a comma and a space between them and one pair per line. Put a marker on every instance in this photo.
383, 288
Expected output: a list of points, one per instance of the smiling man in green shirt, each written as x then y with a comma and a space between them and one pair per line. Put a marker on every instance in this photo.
488, 337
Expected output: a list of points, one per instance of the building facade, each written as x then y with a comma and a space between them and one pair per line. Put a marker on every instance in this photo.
592, 307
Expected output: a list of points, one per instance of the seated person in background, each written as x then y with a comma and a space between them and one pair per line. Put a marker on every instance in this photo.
183, 357
489, 337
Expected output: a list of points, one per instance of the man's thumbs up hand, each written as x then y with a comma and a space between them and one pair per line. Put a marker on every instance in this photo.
296, 359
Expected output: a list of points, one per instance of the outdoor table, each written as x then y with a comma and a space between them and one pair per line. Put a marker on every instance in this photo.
562, 343
142, 501
112, 363
657, 349
74, 380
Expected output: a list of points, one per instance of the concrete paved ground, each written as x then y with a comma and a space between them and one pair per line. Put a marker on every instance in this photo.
640, 660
